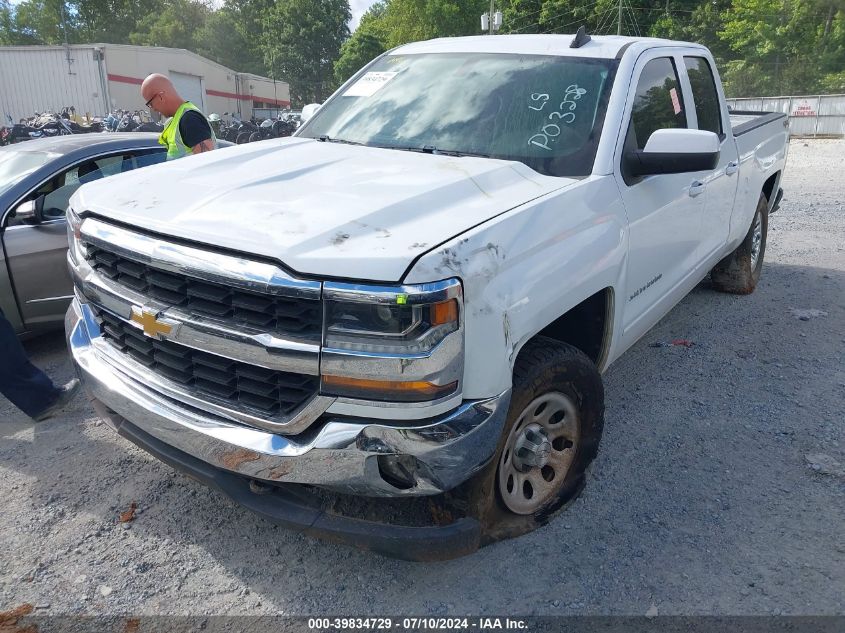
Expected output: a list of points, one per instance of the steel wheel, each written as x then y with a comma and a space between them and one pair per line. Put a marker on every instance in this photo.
539, 452
756, 240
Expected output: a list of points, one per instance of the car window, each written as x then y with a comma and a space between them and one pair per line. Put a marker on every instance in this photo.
659, 102
150, 157
15, 165
58, 192
704, 95
59, 189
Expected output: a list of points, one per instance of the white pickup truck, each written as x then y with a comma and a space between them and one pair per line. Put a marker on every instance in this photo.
390, 329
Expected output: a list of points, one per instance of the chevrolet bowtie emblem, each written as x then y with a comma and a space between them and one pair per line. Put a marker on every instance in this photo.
148, 320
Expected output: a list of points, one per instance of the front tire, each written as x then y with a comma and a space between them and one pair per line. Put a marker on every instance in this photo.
739, 272
551, 435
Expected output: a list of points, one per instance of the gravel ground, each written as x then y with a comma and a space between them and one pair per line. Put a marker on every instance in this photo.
719, 487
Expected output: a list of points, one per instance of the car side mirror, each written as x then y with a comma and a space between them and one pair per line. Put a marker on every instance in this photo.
309, 111
674, 151
31, 211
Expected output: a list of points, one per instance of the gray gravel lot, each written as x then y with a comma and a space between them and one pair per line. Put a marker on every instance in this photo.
719, 487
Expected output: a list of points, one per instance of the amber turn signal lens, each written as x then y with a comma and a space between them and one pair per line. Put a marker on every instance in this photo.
390, 390
444, 312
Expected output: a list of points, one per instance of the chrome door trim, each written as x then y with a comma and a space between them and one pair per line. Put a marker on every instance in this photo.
45, 299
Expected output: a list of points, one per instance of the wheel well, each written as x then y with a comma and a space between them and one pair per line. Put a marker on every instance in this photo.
584, 326
769, 185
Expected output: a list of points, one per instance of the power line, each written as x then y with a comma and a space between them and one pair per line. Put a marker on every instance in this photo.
554, 17
600, 20
605, 21
563, 26
634, 22
528, 15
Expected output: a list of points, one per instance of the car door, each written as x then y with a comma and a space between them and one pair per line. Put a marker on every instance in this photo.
36, 254
721, 183
664, 210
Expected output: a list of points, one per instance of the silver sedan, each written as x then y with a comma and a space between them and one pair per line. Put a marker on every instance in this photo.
36, 180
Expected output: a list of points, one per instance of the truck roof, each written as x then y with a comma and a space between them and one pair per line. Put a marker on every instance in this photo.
601, 46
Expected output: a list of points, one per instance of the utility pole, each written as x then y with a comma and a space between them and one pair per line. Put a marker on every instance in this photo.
619, 20
492, 21
67, 45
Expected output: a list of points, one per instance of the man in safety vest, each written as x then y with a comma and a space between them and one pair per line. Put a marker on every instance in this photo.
188, 131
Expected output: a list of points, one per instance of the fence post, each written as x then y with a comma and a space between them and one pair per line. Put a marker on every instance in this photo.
818, 116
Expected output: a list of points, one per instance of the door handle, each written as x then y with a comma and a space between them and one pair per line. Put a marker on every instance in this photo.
696, 188
732, 168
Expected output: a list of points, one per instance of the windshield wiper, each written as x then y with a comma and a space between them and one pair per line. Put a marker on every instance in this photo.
425, 149
451, 152
430, 149
325, 138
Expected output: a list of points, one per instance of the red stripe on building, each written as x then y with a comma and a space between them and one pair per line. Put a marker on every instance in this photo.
212, 93
125, 80
232, 95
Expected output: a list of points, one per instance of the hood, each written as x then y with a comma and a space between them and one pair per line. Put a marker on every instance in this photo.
321, 209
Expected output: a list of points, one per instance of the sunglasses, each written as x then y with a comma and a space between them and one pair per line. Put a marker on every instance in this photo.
158, 94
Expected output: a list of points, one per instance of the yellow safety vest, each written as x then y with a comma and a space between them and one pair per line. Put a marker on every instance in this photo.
172, 138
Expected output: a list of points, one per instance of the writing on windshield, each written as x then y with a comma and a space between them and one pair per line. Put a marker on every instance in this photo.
544, 111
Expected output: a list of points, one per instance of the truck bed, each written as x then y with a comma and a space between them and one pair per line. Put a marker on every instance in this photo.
743, 121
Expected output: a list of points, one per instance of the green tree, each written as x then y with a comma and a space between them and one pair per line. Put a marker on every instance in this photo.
224, 39
7, 29
111, 21
367, 42
414, 20
301, 41
43, 22
774, 45
177, 25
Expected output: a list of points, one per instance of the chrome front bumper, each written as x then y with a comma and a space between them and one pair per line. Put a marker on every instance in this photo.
346, 455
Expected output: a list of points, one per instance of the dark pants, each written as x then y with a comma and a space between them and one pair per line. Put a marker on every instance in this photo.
29, 388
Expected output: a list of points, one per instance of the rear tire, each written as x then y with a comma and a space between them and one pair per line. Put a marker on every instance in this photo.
739, 272
551, 435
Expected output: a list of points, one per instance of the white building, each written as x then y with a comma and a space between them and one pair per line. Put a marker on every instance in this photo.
97, 78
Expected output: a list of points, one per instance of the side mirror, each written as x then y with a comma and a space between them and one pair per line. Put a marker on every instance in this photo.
309, 111
31, 211
674, 151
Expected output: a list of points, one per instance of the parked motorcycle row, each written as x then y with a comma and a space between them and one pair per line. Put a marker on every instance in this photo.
238, 131
48, 124
45, 125
126, 121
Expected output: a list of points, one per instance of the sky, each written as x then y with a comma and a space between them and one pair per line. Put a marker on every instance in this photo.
358, 8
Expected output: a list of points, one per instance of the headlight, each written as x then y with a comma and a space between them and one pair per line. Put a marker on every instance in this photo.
381, 343
389, 328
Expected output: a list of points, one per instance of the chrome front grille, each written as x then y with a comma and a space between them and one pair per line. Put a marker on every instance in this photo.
243, 386
296, 317
240, 337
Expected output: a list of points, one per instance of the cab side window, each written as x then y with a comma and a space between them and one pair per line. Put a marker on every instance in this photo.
658, 102
57, 193
704, 94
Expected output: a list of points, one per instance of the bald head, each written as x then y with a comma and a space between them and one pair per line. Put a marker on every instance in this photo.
158, 91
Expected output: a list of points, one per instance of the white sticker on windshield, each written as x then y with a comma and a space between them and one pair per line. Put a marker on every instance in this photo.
369, 84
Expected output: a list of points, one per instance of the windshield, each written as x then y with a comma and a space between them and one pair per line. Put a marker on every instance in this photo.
544, 111
15, 165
